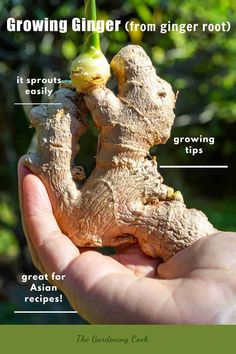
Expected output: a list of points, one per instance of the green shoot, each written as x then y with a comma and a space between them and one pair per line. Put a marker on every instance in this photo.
90, 69
91, 38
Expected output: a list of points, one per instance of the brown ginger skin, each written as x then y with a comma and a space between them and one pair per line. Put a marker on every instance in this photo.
124, 200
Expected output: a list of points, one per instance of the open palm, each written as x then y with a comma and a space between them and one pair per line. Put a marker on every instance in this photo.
198, 285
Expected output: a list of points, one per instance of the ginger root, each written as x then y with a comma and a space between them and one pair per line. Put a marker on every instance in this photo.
124, 199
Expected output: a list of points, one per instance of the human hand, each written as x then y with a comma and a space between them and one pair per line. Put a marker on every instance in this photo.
198, 285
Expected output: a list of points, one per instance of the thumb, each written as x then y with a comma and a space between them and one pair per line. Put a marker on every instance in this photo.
54, 250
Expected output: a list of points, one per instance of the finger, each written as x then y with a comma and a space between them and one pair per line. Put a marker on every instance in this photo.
22, 172
54, 249
211, 252
183, 262
136, 261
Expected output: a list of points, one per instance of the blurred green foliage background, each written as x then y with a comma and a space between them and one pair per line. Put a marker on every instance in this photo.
200, 65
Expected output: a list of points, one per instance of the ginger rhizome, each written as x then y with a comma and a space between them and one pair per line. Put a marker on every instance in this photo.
124, 199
